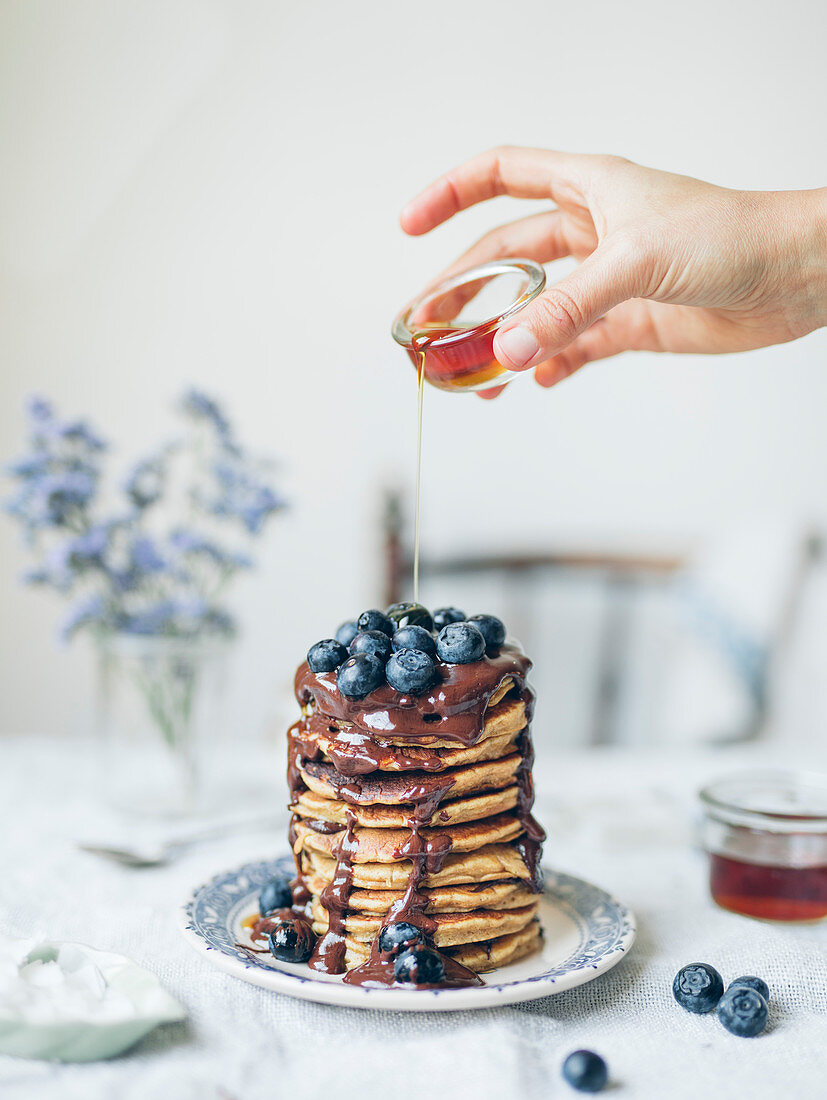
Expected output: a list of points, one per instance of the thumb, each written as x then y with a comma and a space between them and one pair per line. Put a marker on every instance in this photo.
560, 314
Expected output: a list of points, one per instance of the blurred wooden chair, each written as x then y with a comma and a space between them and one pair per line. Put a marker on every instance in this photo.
621, 583
622, 577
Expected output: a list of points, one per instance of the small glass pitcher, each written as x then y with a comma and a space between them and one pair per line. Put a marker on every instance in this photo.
449, 330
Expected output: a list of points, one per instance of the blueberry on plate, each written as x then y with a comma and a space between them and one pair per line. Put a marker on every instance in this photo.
585, 1071
698, 987
410, 671
460, 644
393, 937
326, 655
491, 628
444, 615
743, 1011
275, 894
346, 633
410, 614
419, 965
414, 637
292, 941
376, 620
360, 675
372, 641
758, 984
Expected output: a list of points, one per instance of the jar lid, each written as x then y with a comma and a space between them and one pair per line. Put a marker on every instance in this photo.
777, 801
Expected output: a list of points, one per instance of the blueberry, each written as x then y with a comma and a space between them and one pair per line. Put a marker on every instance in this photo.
410, 671
372, 641
758, 984
411, 614
346, 633
326, 655
419, 965
491, 628
393, 937
360, 675
585, 1071
698, 987
445, 615
376, 620
460, 643
292, 941
414, 637
743, 1011
275, 894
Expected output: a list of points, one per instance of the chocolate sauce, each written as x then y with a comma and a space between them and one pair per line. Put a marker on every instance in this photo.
329, 954
460, 699
426, 792
326, 828
529, 845
355, 752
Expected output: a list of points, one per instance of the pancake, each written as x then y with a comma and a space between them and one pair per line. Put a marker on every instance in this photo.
451, 928
314, 806
479, 957
508, 894
383, 845
349, 750
488, 864
392, 790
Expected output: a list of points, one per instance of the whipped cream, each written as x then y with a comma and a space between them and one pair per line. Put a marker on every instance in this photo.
46, 984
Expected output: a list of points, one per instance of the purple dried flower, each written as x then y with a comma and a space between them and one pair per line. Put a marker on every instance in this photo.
146, 557
201, 407
148, 583
39, 408
87, 612
145, 482
191, 542
33, 465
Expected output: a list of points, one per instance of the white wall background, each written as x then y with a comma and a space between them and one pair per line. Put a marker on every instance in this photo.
206, 191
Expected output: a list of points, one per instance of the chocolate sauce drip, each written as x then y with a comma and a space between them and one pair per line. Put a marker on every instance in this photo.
358, 753
459, 699
329, 953
529, 845
427, 856
326, 828
425, 791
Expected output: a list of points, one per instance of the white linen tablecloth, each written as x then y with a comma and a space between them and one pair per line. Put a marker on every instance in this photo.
621, 820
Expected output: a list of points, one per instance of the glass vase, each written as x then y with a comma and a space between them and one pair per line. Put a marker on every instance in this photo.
160, 718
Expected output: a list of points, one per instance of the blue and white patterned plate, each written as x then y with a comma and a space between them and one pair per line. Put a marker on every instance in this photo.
586, 933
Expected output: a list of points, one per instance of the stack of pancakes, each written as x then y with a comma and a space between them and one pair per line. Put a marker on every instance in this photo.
389, 817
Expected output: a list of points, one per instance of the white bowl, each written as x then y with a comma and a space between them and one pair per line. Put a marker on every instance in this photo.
99, 1008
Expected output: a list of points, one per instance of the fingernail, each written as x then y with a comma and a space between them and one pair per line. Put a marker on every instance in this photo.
519, 345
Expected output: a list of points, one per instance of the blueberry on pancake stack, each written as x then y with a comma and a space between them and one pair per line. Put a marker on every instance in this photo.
417, 858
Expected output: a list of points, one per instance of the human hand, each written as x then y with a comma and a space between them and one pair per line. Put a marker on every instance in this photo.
667, 262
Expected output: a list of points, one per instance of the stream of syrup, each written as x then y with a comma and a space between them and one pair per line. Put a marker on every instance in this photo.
455, 367
420, 388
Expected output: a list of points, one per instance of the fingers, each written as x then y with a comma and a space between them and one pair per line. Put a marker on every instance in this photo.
598, 342
554, 320
489, 395
523, 173
625, 328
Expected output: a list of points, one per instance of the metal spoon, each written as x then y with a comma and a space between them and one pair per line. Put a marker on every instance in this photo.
154, 853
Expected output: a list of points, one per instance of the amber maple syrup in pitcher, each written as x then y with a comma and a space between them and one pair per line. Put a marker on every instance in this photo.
454, 353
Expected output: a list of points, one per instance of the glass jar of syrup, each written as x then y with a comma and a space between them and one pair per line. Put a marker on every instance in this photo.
766, 837
448, 331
